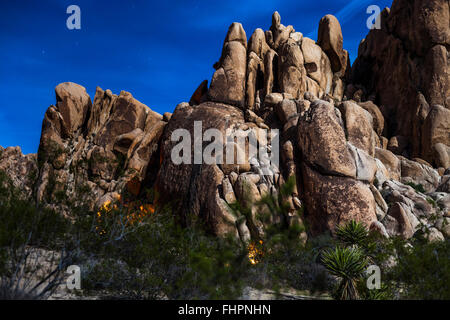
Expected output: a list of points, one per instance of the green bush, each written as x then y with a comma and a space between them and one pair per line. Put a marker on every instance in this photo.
158, 258
155, 257
422, 270
26, 232
348, 265
417, 187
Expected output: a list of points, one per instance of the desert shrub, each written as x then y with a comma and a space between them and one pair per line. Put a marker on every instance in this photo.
28, 233
157, 258
22, 221
355, 250
291, 266
417, 187
284, 258
422, 270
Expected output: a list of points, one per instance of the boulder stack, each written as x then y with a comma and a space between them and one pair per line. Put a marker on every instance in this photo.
368, 143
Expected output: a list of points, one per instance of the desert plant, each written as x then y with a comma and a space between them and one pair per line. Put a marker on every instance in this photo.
417, 187
352, 233
157, 257
422, 270
33, 251
348, 265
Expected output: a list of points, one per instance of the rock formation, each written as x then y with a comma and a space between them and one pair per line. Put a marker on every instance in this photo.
404, 67
90, 151
368, 142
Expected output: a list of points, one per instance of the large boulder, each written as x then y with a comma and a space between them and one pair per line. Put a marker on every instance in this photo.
419, 174
441, 155
317, 65
291, 72
322, 141
418, 207
127, 114
397, 222
193, 188
73, 104
228, 82
390, 161
378, 119
257, 67
436, 129
332, 201
331, 41
359, 126
336, 175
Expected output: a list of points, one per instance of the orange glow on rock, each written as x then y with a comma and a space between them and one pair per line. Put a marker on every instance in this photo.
132, 213
255, 252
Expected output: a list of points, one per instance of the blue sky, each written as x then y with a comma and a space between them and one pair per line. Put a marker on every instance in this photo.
158, 51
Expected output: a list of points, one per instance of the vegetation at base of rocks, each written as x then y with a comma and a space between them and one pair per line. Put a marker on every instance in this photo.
432, 202
6, 189
353, 233
409, 270
150, 256
158, 258
285, 259
32, 174
26, 232
422, 270
348, 265
417, 187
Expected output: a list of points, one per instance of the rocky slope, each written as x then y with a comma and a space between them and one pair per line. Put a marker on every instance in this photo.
357, 139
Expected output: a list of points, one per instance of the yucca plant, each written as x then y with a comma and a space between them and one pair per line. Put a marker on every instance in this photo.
353, 233
348, 265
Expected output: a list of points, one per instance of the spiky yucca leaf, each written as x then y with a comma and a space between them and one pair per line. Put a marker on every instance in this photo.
348, 265
352, 233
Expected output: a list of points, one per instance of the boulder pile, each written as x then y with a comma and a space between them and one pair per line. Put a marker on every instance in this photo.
368, 142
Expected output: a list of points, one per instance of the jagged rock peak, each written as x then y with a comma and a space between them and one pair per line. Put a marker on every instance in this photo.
279, 60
